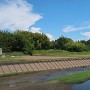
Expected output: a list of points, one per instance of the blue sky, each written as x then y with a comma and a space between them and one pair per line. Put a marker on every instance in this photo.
70, 18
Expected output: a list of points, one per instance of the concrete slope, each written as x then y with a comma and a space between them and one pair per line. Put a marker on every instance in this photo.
7, 68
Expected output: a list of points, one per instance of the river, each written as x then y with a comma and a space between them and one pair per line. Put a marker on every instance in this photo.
36, 81
82, 86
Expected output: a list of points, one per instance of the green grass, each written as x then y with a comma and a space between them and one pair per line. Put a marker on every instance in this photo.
15, 54
62, 53
11, 60
18, 73
8, 59
79, 77
50, 52
53, 53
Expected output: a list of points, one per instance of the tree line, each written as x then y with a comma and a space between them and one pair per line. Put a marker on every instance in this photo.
26, 42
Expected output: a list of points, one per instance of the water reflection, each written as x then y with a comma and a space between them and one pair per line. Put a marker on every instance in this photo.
32, 81
83, 86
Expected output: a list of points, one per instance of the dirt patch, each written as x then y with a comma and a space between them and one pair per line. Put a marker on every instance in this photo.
40, 57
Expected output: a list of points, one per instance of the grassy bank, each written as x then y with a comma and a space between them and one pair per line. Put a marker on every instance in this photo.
61, 53
15, 54
10, 57
42, 55
19, 73
52, 52
79, 77
9, 60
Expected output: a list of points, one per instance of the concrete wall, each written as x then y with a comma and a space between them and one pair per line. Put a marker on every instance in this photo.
43, 65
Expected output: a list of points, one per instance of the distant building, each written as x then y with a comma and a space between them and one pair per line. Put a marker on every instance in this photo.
0, 51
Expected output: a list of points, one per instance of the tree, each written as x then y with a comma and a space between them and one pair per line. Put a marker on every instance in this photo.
41, 41
53, 45
45, 43
24, 42
87, 44
62, 41
75, 47
6, 40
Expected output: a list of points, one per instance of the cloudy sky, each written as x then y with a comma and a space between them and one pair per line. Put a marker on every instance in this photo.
70, 18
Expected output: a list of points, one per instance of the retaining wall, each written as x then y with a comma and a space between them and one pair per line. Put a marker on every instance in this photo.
7, 68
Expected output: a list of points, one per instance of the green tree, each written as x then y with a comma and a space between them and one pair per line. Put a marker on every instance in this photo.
62, 41
45, 43
75, 47
6, 40
41, 41
24, 42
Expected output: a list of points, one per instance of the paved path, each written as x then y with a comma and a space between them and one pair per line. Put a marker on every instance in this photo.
7, 68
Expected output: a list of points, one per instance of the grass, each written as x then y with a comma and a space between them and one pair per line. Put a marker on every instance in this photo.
8, 59
11, 61
15, 54
43, 55
79, 77
62, 53
52, 52
18, 73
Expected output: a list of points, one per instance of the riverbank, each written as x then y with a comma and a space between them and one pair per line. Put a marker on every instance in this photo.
37, 80
42, 55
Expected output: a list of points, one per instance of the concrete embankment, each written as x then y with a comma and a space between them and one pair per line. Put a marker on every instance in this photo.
7, 68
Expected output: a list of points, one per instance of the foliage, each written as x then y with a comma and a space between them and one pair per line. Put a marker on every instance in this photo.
62, 41
26, 42
23, 41
6, 41
75, 47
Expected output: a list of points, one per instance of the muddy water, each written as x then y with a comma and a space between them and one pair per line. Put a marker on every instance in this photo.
36, 81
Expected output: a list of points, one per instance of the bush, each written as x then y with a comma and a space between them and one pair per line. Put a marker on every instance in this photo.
28, 48
75, 47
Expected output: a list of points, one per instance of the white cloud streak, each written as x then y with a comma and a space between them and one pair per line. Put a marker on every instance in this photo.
17, 14
35, 30
50, 37
73, 28
86, 34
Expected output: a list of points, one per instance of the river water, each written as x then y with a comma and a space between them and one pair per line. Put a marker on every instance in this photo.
82, 86
36, 81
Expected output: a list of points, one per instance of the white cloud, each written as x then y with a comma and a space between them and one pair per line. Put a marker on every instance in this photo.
35, 30
73, 28
17, 14
86, 34
50, 37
